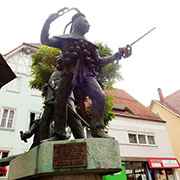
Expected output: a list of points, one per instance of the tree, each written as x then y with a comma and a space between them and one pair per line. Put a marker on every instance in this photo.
43, 65
44, 62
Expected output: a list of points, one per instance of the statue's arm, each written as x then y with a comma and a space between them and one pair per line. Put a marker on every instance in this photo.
123, 52
45, 40
103, 61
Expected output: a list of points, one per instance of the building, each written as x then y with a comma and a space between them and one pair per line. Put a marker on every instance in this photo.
19, 104
144, 143
168, 108
143, 138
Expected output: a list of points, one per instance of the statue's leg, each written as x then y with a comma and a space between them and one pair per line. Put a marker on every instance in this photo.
60, 106
45, 121
98, 98
74, 123
95, 92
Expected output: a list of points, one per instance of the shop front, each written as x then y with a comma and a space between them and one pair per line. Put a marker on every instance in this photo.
152, 169
163, 168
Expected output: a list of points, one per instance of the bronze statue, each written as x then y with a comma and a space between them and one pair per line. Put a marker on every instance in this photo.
77, 64
43, 128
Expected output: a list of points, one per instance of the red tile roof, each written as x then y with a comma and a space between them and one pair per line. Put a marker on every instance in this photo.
173, 102
139, 110
33, 45
36, 45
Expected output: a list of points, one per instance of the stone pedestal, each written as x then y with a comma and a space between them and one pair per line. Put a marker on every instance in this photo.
95, 158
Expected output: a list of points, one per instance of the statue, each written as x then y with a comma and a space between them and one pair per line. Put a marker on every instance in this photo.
43, 128
76, 67
77, 64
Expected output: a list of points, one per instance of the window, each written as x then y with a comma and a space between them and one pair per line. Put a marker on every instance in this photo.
3, 154
120, 108
15, 85
142, 139
139, 138
151, 139
7, 118
132, 138
33, 116
136, 170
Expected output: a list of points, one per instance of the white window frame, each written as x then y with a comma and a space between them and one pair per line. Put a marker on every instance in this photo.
146, 138
7, 118
133, 133
153, 138
37, 116
3, 151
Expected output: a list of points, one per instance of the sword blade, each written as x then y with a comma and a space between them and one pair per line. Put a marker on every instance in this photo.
142, 36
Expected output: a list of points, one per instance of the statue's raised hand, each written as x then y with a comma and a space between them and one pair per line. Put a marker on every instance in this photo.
126, 51
61, 12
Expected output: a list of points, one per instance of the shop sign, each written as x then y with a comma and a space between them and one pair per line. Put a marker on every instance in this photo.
163, 163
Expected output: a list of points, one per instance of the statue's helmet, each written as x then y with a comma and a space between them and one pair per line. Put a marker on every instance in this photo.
74, 18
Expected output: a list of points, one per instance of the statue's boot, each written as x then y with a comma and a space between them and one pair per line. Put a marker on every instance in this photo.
56, 138
99, 133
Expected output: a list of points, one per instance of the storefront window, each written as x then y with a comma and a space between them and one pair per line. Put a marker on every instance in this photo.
162, 174
136, 171
141, 171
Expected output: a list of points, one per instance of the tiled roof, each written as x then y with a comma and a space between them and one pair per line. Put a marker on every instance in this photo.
138, 109
173, 102
33, 45
36, 45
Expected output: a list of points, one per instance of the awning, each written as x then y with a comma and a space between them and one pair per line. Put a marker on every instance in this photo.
163, 163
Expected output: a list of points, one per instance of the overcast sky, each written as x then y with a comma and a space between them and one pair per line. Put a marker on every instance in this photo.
155, 61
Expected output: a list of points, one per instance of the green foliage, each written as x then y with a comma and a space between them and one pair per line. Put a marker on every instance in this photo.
108, 115
104, 50
44, 62
109, 74
43, 65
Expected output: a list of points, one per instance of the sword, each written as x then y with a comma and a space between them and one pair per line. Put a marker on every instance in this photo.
126, 52
142, 36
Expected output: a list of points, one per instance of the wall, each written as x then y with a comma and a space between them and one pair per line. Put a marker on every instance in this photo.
23, 101
120, 127
173, 126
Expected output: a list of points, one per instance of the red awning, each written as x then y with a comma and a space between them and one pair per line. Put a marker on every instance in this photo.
163, 163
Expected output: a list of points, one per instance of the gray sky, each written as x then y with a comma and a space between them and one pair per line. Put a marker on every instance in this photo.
155, 59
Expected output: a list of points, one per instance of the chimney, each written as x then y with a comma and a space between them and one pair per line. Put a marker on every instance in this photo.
161, 95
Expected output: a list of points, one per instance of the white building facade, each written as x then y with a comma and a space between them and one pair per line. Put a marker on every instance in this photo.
144, 143
19, 104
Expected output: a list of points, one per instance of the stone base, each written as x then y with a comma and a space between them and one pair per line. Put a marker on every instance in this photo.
103, 157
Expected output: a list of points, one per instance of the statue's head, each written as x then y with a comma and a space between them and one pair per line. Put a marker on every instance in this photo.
80, 24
